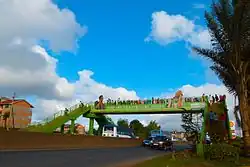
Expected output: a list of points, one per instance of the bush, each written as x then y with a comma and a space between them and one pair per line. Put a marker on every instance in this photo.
222, 152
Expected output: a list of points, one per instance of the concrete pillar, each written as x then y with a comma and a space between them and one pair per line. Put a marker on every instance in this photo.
62, 129
91, 126
72, 126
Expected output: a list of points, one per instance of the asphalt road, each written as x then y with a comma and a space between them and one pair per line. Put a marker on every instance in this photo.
104, 157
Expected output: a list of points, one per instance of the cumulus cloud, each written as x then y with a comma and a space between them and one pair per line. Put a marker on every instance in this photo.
39, 20
25, 66
89, 90
86, 90
167, 28
170, 122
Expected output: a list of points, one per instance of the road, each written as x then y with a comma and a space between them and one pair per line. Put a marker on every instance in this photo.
102, 157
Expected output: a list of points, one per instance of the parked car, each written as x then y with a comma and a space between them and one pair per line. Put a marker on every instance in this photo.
147, 142
162, 142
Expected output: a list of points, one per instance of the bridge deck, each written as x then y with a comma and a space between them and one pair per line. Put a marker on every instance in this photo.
150, 109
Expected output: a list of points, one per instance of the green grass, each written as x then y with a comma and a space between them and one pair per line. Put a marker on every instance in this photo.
167, 161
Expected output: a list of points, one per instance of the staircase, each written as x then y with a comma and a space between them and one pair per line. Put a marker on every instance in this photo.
51, 124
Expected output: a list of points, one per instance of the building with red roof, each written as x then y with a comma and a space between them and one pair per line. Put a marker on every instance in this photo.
17, 111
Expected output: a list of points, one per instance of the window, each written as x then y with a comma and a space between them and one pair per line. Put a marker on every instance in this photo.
108, 128
123, 133
160, 138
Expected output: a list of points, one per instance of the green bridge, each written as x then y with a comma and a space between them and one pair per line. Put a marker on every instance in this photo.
49, 125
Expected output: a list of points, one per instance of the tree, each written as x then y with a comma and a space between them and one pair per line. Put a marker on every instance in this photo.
191, 124
138, 127
110, 120
123, 123
229, 27
236, 113
153, 125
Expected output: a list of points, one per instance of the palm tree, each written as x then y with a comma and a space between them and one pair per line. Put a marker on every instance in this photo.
236, 112
229, 27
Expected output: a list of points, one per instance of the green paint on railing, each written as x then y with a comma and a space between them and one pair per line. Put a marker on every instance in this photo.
150, 108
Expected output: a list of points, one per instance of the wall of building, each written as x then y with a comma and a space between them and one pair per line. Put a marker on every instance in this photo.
22, 115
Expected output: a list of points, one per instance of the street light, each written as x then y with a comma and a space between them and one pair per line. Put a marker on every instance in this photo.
12, 110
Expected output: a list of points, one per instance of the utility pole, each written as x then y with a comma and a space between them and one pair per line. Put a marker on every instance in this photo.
12, 112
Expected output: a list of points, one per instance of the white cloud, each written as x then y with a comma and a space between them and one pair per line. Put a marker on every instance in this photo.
174, 121
25, 67
198, 6
89, 90
166, 29
86, 90
32, 20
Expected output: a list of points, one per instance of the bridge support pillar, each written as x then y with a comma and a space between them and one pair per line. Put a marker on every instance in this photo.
91, 126
62, 129
72, 126
100, 130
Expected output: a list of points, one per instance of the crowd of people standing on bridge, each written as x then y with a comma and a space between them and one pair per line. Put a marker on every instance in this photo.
216, 98
212, 99
176, 101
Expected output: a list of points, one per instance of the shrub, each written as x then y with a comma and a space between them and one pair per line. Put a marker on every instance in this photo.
222, 152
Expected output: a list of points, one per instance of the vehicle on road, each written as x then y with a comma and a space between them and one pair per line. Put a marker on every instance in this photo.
117, 131
155, 133
147, 142
162, 142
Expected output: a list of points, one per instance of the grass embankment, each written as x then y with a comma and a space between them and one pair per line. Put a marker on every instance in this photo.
167, 161
16, 140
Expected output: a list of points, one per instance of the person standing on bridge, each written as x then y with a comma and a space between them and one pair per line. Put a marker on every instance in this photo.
203, 98
66, 112
100, 105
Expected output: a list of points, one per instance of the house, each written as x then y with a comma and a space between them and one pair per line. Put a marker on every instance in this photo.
19, 111
178, 135
79, 129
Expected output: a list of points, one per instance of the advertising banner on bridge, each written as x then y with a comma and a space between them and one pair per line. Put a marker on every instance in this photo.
197, 105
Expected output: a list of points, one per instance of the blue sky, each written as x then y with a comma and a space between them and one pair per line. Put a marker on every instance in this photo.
128, 49
115, 50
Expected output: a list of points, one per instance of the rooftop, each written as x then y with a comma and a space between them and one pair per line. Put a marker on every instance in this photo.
5, 100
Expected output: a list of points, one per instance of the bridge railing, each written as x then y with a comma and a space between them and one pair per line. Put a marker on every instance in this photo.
62, 112
194, 105
55, 115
